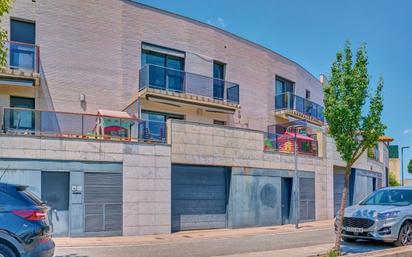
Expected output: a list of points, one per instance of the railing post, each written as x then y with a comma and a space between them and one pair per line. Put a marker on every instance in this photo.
37, 56
82, 125
147, 71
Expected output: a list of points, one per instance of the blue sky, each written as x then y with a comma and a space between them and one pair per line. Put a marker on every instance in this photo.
310, 33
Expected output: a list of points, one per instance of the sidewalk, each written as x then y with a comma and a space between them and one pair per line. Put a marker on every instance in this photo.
188, 235
313, 250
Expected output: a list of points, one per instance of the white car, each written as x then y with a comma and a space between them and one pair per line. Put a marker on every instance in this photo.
385, 215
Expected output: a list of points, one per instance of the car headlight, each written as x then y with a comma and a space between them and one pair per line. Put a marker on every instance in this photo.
388, 215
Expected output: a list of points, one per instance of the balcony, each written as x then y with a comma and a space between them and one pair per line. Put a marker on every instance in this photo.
119, 127
22, 67
167, 85
288, 104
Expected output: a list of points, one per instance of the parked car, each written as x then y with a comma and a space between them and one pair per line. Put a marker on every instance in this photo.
385, 215
24, 226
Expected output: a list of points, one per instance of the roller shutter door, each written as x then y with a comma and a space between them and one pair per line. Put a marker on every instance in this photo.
103, 203
199, 197
338, 183
307, 199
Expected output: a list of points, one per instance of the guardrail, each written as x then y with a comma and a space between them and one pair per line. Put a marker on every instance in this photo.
158, 77
21, 56
288, 101
20, 121
285, 143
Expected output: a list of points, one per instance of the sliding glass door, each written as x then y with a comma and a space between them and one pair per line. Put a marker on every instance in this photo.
165, 71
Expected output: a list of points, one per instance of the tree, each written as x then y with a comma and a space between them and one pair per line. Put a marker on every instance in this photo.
5, 6
410, 166
353, 115
392, 180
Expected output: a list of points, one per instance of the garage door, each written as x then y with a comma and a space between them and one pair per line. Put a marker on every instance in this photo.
307, 199
199, 197
103, 203
338, 184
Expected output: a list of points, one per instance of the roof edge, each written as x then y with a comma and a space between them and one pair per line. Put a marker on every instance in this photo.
201, 23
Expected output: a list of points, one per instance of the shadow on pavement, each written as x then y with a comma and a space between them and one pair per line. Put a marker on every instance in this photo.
71, 255
362, 246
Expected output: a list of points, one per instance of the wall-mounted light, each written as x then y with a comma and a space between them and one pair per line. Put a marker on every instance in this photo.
82, 98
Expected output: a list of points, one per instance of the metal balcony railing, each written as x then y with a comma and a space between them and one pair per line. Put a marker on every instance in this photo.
158, 77
284, 143
21, 56
20, 122
288, 101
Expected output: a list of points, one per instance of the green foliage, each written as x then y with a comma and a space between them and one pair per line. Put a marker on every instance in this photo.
345, 95
333, 253
5, 6
410, 166
392, 180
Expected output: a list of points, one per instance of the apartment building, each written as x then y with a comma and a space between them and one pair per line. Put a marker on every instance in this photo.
130, 120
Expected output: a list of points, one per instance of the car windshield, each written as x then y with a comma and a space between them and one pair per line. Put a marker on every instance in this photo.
396, 197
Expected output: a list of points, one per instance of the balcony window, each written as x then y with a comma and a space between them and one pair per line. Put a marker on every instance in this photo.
161, 58
283, 87
218, 80
22, 45
154, 128
22, 118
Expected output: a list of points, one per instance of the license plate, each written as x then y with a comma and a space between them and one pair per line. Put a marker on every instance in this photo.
354, 230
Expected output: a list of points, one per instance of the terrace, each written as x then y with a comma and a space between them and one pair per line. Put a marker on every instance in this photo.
170, 86
105, 125
281, 138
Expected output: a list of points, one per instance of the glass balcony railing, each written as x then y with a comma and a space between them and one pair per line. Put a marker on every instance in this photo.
21, 56
284, 143
158, 77
288, 101
19, 121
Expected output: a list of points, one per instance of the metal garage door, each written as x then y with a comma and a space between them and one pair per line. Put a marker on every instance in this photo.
199, 197
338, 184
307, 199
103, 203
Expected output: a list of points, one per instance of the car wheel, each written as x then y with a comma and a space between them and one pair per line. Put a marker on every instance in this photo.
6, 251
405, 235
349, 240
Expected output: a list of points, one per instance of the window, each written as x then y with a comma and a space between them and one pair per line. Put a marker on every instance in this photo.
284, 86
22, 31
166, 67
284, 90
155, 127
307, 94
22, 56
219, 122
218, 80
22, 119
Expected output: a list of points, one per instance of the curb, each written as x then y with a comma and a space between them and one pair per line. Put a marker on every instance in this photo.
405, 251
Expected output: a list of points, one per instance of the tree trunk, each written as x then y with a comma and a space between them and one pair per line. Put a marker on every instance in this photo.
339, 218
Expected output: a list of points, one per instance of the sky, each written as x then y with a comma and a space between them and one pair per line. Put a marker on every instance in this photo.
311, 32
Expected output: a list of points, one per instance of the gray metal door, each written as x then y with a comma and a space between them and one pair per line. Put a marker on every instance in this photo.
199, 197
287, 189
103, 203
307, 199
55, 193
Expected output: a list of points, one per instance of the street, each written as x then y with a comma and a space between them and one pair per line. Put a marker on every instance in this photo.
233, 245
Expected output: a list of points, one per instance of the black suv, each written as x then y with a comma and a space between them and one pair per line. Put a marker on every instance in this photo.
24, 227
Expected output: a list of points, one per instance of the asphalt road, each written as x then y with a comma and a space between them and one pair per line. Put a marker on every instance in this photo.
219, 246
